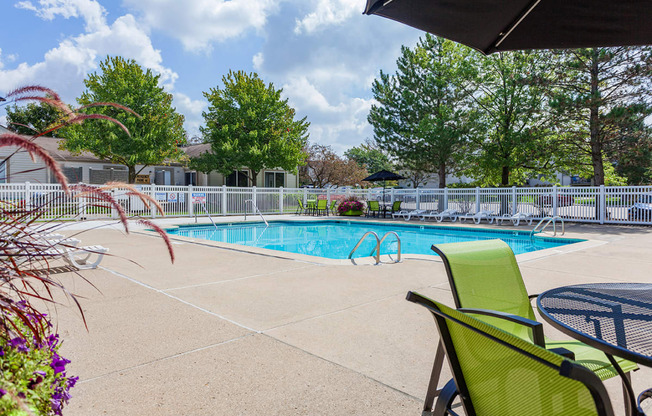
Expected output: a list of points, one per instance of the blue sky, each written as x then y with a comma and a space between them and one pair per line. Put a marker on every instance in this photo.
323, 53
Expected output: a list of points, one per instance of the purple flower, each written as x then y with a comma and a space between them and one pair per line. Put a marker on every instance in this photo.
19, 343
40, 373
58, 363
21, 395
2, 353
2, 392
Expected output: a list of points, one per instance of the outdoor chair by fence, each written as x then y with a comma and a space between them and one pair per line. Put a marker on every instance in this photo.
450, 213
300, 207
321, 207
487, 215
517, 218
396, 207
333, 207
373, 208
497, 373
485, 278
408, 214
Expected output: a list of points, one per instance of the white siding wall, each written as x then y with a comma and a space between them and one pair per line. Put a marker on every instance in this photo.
21, 162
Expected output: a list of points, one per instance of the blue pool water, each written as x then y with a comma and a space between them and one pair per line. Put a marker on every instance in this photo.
336, 239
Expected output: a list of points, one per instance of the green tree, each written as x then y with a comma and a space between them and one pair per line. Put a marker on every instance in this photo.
512, 137
421, 117
630, 148
249, 125
596, 87
34, 117
154, 136
370, 157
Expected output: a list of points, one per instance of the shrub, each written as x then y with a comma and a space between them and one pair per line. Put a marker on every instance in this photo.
351, 203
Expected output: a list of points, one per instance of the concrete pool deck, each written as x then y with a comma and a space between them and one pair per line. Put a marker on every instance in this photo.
226, 332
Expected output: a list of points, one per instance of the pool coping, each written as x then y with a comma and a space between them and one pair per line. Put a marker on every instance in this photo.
385, 258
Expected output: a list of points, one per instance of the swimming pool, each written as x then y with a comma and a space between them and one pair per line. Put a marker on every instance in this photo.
335, 239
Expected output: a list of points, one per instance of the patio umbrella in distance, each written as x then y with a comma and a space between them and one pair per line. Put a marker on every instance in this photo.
503, 25
383, 175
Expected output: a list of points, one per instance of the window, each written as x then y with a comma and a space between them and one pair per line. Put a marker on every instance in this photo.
238, 178
3, 170
274, 179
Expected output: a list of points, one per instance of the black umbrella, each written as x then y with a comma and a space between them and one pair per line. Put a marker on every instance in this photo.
502, 25
383, 175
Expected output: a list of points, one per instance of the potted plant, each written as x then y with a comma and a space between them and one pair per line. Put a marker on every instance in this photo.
351, 206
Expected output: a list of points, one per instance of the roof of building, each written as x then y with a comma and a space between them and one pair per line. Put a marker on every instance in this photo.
195, 150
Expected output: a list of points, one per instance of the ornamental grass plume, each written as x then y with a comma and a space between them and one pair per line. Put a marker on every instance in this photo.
27, 259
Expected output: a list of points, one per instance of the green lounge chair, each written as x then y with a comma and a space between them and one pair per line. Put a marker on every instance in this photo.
322, 207
484, 276
373, 208
497, 373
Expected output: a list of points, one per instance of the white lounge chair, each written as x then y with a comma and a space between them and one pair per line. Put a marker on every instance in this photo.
450, 213
80, 256
428, 214
407, 215
479, 216
520, 216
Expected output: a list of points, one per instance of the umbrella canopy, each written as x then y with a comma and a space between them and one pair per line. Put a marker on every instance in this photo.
502, 25
383, 175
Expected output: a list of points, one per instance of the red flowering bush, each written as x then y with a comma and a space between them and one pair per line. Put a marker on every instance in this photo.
351, 203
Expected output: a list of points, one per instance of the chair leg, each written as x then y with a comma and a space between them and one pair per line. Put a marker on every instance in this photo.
628, 408
445, 400
433, 392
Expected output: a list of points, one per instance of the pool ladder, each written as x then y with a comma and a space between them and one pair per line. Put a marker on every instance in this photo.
376, 249
253, 204
548, 220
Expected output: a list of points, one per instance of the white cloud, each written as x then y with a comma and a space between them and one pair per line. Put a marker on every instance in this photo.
199, 23
89, 10
64, 67
192, 110
328, 13
258, 60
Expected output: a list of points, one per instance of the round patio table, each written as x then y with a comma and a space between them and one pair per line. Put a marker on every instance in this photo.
615, 318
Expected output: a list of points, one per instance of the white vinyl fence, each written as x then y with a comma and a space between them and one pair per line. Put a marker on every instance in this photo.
603, 204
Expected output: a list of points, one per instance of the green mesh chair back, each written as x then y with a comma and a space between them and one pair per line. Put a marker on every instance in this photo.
373, 205
322, 204
332, 207
396, 206
484, 275
497, 373
300, 202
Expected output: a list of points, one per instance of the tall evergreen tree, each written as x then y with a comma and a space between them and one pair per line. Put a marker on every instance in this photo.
421, 117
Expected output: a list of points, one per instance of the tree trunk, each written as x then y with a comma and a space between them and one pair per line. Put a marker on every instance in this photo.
504, 180
442, 175
132, 174
252, 177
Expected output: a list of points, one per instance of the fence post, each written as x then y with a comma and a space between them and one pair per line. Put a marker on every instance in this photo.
514, 201
191, 206
554, 200
477, 199
603, 204
280, 200
392, 197
28, 197
328, 195
152, 209
224, 205
418, 198
254, 200
114, 212
445, 199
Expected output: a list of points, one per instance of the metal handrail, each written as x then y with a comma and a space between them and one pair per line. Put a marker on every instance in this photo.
209, 215
253, 204
379, 241
398, 239
377, 249
554, 225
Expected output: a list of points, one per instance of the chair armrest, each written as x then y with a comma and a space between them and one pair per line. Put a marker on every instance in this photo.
563, 352
533, 296
537, 327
